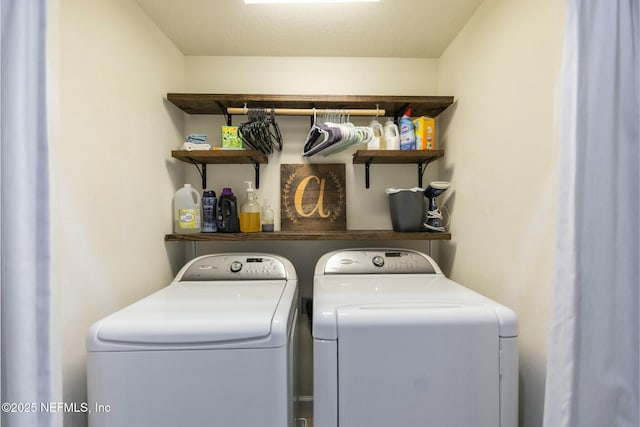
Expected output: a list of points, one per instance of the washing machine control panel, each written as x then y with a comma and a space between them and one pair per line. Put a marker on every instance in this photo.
379, 261
235, 267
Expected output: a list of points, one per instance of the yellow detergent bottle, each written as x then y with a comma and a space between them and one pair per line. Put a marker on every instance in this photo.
250, 211
186, 211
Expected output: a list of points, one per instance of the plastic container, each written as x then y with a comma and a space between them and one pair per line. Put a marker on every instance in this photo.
267, 217
250, 211
186, 211
209, 217
392, 135
407, 132
377, 142
228, 221
406, 207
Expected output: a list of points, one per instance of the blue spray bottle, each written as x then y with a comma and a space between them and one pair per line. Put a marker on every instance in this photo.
407, 132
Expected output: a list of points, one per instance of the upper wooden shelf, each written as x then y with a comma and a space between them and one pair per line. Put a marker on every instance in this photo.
205, 103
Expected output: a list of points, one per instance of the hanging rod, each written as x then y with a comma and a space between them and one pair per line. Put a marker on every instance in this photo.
310, 111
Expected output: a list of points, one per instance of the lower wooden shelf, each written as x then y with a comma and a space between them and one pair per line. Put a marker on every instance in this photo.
309, 235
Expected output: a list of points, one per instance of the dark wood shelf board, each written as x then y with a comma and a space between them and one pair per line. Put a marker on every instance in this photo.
396, 156
220, 156
206, 103
308, 235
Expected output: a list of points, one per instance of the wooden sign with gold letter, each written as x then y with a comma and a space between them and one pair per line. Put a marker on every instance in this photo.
313, 197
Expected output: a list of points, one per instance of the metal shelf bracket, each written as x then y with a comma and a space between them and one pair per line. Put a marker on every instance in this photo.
202, 170
422, 167
256, 168
366, 173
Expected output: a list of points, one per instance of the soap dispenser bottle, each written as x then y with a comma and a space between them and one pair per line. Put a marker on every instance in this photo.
250, 211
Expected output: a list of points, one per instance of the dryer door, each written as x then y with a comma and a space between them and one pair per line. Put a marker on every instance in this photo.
428, 365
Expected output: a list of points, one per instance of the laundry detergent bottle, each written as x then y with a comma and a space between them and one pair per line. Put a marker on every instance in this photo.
228, 221
209, 219
391, 135
377, 142
250, 211
187, 211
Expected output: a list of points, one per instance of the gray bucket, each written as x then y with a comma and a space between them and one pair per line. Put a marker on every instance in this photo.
406, 208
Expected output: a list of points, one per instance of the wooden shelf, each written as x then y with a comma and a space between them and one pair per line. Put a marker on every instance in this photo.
421, 157
205, 157
206, 103
309, 235
396, 156
220, 156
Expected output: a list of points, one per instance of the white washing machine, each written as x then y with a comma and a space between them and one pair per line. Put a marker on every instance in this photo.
214, 348
396, 343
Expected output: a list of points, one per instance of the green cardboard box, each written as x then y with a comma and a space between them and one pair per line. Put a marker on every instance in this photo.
230, 138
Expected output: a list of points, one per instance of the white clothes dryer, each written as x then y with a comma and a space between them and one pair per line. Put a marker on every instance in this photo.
396, 343
214, 348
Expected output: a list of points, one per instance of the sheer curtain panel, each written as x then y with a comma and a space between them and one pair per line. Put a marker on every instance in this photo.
25, 294
593, 368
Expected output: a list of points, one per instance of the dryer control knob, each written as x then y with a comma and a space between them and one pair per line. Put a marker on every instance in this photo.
378, 261
236, 266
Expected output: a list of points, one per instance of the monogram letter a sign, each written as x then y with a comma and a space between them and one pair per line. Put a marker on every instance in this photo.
313, 197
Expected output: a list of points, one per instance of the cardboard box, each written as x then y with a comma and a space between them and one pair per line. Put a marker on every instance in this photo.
230, 138
425, 133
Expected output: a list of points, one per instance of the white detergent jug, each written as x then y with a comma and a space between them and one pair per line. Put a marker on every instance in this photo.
187, 210
392, 135
377, 142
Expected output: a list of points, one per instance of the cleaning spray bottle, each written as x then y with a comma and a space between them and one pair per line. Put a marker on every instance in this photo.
250, 211
407, 132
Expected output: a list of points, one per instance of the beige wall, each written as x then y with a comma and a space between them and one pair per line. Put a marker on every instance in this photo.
501, 159
309, 75
112, 184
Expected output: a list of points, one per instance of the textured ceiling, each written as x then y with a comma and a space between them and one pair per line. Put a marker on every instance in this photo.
391, 28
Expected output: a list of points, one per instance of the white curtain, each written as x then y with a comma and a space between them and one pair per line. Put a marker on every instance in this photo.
25, 302
593, 367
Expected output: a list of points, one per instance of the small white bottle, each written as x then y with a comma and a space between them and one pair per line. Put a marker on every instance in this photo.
267, 217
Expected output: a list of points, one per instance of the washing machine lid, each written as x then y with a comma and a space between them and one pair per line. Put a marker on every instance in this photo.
196, 313
397, 296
